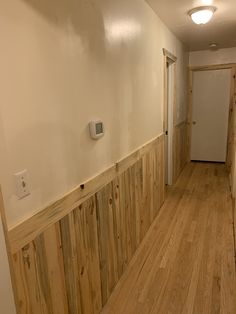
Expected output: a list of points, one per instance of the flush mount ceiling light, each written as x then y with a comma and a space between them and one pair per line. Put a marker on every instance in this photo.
213, 46
202, 15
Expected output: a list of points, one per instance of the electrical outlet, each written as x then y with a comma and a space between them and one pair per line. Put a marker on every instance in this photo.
22, 184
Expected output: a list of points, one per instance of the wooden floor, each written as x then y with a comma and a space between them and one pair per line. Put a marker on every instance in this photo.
186, 262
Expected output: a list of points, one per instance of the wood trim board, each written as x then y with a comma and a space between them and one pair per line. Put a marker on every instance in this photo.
69, 257
26, 231
169, 55
10, 260
212, 67
180, 148
169, 58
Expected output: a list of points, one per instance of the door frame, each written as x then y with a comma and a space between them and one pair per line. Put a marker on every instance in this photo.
232, 67
3, 221
171, 60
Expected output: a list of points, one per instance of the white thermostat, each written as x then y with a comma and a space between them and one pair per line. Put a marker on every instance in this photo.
96, 129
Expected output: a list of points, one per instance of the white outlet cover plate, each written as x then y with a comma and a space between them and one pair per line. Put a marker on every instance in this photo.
22, 184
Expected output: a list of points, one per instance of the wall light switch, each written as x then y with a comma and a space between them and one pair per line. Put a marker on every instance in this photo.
22, 184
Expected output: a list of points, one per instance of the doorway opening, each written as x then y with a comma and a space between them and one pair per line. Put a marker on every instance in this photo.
211, 107
169, 104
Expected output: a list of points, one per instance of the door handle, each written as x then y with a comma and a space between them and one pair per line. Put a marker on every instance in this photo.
194, 122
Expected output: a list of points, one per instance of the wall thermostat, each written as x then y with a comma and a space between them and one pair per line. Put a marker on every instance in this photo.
96, 129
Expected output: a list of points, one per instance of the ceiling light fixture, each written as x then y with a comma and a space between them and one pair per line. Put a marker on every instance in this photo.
213, 46
202, 15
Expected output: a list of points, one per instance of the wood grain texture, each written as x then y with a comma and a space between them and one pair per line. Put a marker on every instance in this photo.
186, 262
74, 264
40, 276
126, 208
8, 247
231, 124
180, 148
59, 271
231, 148
110, 237
29, 229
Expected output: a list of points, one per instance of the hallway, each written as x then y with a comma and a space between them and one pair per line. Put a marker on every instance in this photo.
118, 157
186, 262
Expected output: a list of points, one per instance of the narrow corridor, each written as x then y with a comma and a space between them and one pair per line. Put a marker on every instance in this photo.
186, 262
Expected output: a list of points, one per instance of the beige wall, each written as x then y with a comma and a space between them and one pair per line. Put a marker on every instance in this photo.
64, 63
207, 57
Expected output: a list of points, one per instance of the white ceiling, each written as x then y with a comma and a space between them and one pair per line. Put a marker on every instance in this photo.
221, 29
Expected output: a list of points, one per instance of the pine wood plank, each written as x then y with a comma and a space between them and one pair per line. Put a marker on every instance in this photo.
28, 230
73, 265
85, 219
70, 261
186, 262
108, 237
27, 287
143, 256
180, 148
55, 268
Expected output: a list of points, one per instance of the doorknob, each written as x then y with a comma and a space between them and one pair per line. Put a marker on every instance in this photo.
194, 122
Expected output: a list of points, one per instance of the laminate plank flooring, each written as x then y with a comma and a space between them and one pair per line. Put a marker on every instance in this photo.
186, 262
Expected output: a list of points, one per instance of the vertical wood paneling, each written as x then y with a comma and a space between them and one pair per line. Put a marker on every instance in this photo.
138, 183
55, 269
146, 201
161, 170
68, 241
180, 148
231, 149
156, 194
40, 274
88, 256
75, 264
43, 275
129, 212
108, 237
27, 281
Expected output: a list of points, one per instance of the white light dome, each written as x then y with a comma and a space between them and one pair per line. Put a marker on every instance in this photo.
202, 15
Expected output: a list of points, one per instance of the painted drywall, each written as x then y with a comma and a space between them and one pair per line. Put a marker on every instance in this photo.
64, 63
208, 57
7, 305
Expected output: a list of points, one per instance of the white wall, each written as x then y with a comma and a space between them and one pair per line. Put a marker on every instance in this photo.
207, 57
64, 63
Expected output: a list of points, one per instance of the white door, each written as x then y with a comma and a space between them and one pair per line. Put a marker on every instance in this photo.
210, 111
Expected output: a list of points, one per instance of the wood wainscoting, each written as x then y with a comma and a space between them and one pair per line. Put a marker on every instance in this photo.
231, 147
180, 148
69, 257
